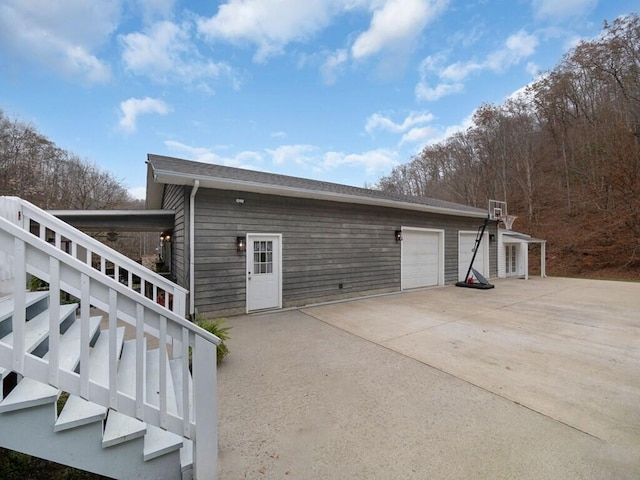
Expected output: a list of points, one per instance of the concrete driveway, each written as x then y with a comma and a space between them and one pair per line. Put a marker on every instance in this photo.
534, 379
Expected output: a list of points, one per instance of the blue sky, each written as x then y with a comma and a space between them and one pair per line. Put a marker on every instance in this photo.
335, 90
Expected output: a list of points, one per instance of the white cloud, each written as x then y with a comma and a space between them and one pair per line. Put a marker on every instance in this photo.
517, 47
449, 79
332, 64
418, 135
152, 9
373, 161
139, 193
166, 53
292, 154
429, 94
380, 122
310, 157
279, 134
61, 36
245, 159
561, 10
132, 108
446, 132
533, 69
394, 23
268, 24
459, 71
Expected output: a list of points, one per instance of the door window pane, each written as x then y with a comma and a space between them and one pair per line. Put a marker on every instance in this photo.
263, 257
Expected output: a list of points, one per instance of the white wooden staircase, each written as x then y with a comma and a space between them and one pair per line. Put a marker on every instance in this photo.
102, 383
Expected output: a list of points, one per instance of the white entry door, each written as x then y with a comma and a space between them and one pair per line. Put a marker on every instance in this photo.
264, 267
510, 259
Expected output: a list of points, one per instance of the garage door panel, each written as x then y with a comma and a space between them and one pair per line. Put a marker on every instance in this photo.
465, 254
420, 259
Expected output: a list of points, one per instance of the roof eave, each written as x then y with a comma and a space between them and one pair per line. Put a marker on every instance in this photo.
170, 177
154, 190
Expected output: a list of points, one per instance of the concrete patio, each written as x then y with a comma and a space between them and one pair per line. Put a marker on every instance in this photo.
534, 379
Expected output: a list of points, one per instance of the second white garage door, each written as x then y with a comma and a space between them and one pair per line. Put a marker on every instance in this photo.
422, 258
466, 243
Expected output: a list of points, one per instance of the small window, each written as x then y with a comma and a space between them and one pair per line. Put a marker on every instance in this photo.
263, 257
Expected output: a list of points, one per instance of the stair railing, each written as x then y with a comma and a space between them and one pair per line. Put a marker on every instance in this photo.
92, 252
196, 420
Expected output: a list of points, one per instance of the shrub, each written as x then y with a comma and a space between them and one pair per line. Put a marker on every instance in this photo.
218, 328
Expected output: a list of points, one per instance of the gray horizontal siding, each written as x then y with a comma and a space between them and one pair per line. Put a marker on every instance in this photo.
325, 245
174, 199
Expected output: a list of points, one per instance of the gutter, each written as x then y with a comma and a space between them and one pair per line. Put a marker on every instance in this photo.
192, 243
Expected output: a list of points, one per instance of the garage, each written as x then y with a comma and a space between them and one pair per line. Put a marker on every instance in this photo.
466, 243
422, 257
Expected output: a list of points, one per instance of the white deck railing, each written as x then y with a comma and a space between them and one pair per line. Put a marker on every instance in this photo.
31, 254
92, 252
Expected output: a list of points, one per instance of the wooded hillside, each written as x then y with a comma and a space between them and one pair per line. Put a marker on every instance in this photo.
565, 155
34, 168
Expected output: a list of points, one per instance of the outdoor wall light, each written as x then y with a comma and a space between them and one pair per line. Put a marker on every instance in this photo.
241, 244
398, 235
240, 201
492, 238
165, 237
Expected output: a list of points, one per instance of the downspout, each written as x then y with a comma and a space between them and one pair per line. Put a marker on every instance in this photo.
192, 247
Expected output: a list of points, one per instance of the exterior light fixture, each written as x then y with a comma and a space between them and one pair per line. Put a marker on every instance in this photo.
398, 235
240, 201
492, 238
241, 244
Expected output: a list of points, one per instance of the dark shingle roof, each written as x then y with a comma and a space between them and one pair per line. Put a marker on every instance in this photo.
197, 170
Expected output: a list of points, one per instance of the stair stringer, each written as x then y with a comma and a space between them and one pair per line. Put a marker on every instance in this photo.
32, 433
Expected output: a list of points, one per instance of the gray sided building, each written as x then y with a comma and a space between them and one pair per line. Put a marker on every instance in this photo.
247, 241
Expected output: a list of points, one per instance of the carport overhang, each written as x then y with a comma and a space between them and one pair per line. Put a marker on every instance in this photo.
118, 220
520, 238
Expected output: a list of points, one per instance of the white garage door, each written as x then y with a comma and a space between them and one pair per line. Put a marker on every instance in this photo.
421, 263
466, 243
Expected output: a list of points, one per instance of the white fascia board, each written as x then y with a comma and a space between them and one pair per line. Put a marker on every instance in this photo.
253, 187
110, 213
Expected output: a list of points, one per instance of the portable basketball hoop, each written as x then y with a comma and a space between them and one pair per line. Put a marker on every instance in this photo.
498, 211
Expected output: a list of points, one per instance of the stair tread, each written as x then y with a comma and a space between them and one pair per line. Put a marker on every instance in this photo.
28, 393
159, 442
38, 327
153, 382
77, 412
35, 331
98, 363
176, 374
6, 303
70, 343
120, 428
127, 368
